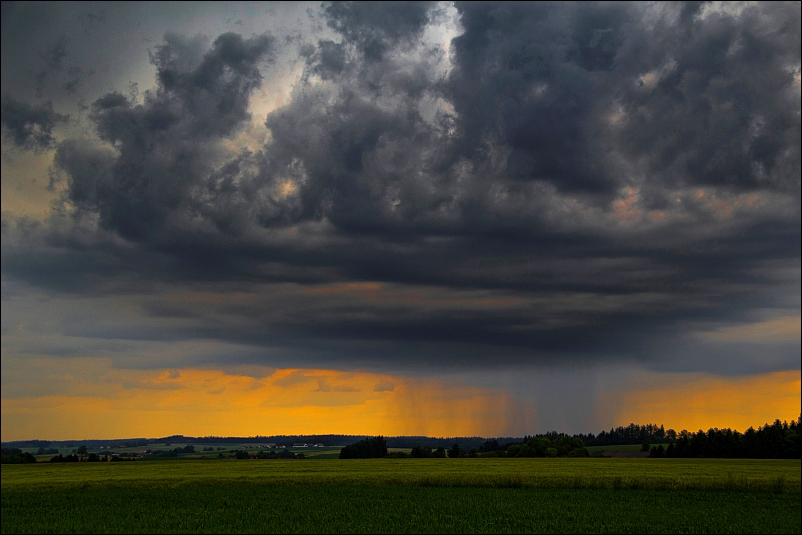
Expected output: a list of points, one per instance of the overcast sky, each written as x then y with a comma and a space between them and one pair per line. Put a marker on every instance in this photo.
398, 218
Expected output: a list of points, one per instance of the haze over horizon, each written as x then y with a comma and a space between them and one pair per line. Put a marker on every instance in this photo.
399, 218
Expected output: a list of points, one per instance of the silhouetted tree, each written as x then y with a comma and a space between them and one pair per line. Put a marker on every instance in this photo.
421, 451
490, 445
365, 449
16, 456
456, 451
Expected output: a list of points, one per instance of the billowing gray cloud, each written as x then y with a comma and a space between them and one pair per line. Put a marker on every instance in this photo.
162, 143
563, 182
30, 126
685, 99
376, 27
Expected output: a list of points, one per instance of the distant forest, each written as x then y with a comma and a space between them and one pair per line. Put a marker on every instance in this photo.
779, 440
632, 434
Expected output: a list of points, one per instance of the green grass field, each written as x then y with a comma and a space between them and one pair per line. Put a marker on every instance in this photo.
405, 495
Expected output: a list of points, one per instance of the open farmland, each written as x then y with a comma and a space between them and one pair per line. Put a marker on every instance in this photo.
405, 495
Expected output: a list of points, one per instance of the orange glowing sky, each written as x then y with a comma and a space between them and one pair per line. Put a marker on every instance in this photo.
200, 402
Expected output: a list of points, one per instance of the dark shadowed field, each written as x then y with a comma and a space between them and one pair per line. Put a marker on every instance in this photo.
405, 495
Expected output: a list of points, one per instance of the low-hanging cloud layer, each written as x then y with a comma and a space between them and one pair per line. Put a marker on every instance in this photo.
477, 186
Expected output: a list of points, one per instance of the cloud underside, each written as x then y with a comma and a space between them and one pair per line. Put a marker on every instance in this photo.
592, 182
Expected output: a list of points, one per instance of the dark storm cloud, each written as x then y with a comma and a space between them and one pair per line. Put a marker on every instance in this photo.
613, 174
328, 57
535, 67
162, 143
30, 126
719, 114
376, 27
706, 101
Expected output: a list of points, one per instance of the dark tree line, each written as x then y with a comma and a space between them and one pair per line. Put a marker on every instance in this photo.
631, 434
365, 449
272, 454
422, 452
91, 458
279, 440
16, 456
28, 444
780, 440
548, 445
72, 458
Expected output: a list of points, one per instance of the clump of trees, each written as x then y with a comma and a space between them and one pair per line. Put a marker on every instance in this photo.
426, 451
72, 458
174, 452
421, 452
457, 452
539, 446
284, 454
365, 449
16, 456
560, 445
780, 440
631, 434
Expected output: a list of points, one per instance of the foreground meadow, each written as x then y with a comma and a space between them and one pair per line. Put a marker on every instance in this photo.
405, 495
